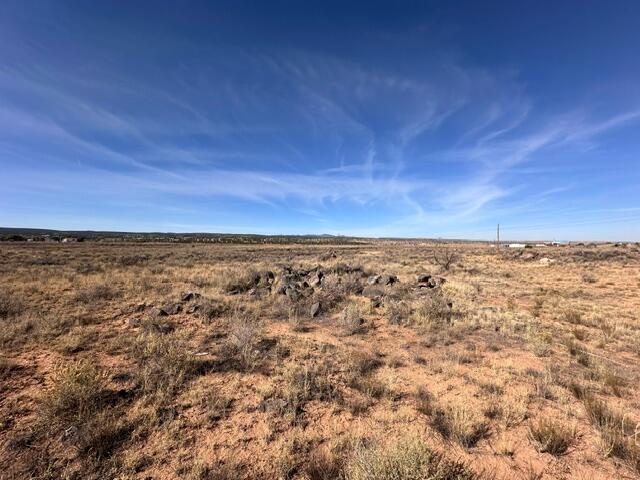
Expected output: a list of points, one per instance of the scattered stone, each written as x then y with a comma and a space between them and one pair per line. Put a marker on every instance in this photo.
157, 312
265, 277
373, 279
424, 278
292, 293
546, 261
189, 296
140, 307
387, 280
431, 282
134, 322
195, 308
316, 279
315, 310
162, 328
172, 308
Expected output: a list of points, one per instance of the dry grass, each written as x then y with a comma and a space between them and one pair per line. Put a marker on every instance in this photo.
406, 460
241, 382
163, 365
457, 422
76, 393
551, 436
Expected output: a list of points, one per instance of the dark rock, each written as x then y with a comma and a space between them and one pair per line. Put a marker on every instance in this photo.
134, 322
157, 312
424, 278
316, 279
387, 280
189, 296
162, 328
140, 307
292, 293
315, 310
265, 277
172, 308
194, 308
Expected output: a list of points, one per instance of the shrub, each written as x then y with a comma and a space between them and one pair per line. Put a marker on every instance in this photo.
406, 460
551, 437
445, 257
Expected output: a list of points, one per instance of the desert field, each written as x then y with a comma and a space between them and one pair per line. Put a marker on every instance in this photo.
380, 360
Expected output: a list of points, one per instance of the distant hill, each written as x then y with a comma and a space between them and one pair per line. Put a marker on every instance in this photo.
41, 234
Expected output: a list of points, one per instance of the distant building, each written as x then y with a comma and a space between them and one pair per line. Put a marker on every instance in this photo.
516, 245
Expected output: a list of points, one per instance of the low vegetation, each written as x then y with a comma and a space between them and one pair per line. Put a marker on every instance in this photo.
363, 361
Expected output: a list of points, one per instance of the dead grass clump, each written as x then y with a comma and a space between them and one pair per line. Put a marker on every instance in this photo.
164, 365
10, 306
433, 312
215, 405
406, 460
77, 392
359, 363
618, 433
302, 384
102, 434
551, 436
424, 401
457, 422
572, 316
133, 260
7, 367
211, 309
245, 332
237, 282
351, 320
324, 464
96, 292
397, 312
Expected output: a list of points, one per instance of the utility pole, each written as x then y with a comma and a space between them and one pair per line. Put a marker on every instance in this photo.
498, 239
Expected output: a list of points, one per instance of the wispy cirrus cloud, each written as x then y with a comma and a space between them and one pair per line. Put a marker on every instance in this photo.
296, 130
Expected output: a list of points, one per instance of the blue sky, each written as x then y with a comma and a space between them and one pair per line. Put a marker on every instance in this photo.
426, 119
